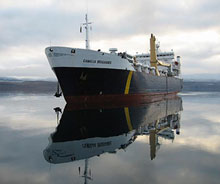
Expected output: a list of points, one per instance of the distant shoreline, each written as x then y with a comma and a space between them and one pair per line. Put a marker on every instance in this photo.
48, 87
206, 86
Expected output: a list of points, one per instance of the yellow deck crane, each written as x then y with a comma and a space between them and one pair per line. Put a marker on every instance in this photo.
153, 56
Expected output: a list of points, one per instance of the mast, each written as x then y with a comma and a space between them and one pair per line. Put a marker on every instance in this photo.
87, 33
86, 26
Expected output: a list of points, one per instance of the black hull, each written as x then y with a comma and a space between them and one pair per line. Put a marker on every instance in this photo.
87, 82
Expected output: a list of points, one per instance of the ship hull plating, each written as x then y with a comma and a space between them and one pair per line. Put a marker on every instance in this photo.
95, 85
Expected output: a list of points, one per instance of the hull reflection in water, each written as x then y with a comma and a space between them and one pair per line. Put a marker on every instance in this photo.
84, 133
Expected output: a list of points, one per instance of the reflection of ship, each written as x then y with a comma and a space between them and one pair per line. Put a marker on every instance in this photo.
85, 133
85, 74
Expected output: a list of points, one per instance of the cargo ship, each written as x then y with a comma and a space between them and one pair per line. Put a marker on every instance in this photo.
94, 76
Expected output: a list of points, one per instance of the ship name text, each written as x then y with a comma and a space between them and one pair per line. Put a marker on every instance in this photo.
96, 61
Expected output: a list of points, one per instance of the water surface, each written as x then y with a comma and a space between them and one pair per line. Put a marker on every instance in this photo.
193, 156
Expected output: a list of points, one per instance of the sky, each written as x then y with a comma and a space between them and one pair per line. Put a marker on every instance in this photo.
190, 27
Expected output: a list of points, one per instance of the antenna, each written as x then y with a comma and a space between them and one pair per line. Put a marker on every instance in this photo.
87, 6
86, 27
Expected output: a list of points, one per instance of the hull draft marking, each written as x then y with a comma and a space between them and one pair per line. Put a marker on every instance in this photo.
127, 87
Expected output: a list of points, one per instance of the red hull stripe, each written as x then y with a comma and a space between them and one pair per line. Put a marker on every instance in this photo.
109, 101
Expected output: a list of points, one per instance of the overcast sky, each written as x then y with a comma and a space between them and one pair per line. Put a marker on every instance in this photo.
190, 27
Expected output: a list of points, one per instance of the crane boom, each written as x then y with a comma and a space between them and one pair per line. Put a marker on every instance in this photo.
153, 56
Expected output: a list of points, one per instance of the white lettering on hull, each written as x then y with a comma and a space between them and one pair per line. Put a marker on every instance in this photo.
96, 61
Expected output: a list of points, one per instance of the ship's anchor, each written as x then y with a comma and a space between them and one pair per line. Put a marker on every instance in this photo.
58, 92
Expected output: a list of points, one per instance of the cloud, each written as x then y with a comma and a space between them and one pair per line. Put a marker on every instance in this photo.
182, 25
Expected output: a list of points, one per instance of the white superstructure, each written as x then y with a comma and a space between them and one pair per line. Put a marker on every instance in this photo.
167, 57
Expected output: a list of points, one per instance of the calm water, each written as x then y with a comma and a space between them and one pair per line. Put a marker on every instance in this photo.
157, 143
